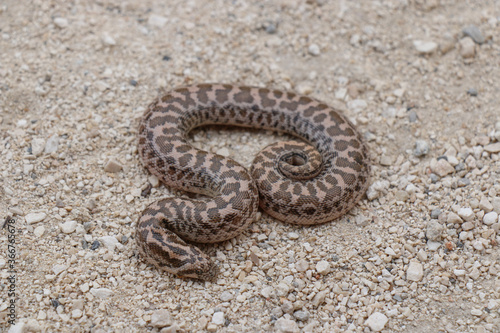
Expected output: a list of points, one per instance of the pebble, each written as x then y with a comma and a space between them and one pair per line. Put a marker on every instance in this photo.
301, 265
357, 105
161, 318
112, 166
287, 306
108, 40
376, 321
58, 269
282, 289
157, 20
37, 146
301, 315
268, 292
435, 213
110, 242
453, 218
485, 205
101, 292
476, 312
293, 235
421, 148
319, 298
425, 47
52, 144
468, 226
467, 47
323, 267
493, 148
226, 296
473, 32
466, 214
434, 230
441, 167
415, 271
39, 231
314, 50
61, 22
286, 326
35, 217
490, 218
68, 227
218, 318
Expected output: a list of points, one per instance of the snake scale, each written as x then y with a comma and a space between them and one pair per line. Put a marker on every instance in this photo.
312, 181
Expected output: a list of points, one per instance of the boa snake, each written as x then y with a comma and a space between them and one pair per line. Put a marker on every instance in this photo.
309, 182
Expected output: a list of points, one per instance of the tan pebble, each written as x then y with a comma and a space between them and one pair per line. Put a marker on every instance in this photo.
493, 148
453, 218
319, 298
468, 226
39, 231
466, 213
441, 167
415, 271
485, 205
467, 47
35, 217
211, 327
302, 265
377, 321
323, 267
161, 318
112, 166
286, 326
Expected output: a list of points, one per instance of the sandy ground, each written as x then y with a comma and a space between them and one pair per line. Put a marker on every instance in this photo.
418, 254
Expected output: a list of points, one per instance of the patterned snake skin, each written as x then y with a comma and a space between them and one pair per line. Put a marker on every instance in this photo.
305, 183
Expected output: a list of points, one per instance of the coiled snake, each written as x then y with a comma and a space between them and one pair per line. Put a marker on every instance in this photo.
308, 182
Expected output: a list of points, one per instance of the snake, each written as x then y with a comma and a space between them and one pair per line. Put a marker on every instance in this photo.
314, 179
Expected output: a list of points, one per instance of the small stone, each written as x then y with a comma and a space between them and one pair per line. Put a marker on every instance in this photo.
218, 318
161, 318
282, 289
157, 20
467, 47
493, 148
61, 22
35, 217
421, 148
473, 32
287, 306
412, 116
110, 242
415, 271
283, 325
314, 50
472, 92
453, 218
68, 227
58, 269
376, 321
434, 230
357, 105
323, 267
112, 166
425, 47
77, 313
101, 292
268, 292
435, 213
478, 245
293, 235
468, 226
319, 298
441, 167
432, 245
476, 312
39, 231
490, 218
485, 205
402, 195
37, 146
459, 272
301, 315
302, 265
108, 40
52, 144
466, 214
226, 296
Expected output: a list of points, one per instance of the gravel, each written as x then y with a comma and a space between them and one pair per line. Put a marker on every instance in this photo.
76, 77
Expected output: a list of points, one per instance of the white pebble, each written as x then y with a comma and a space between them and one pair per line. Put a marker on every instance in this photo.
52, 144
161, 318
112, 166
218, 318
301, 265
282, 289
415, 271
110, 242
226, 296
68, 227
453, 218
101, 292
357, 105
35, 217
490, 218
293, 235
108, 40
286, 325
323, 267
61, 22
466, 213
314, 49
57, 269
441, 167
39, 231
467, 47
268, 292
459, 272
493, 148
37, 146
425, 47
157, 20
376, 321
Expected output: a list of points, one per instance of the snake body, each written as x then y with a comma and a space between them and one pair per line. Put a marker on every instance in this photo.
308, 182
